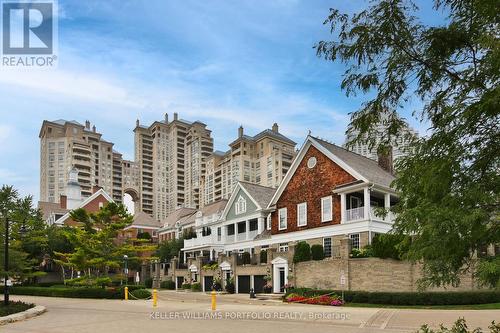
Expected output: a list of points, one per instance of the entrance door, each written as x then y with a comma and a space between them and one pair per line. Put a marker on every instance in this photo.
244, 284
259, 283
208, 282
180, 279
282, 279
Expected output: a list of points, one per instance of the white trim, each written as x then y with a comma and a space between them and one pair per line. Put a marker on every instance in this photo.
300, 156
302, 204
240, 206
85, 202
279, 260
330, 199
193, 269
280, 213
225, 266
137, 226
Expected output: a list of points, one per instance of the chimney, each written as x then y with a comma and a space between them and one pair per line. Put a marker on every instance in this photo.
93, 128
166, 118
176, 116
275, 128
137, 123
63, 200
87, 124
385, 160
95, 188
240, 132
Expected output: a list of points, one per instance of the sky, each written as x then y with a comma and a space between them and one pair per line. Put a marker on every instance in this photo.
226, 63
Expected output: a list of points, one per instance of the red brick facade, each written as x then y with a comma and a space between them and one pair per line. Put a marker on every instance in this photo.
310, 185
91, 207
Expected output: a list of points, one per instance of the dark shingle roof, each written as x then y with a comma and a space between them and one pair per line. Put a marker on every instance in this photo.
261, 194
143, 219
364, 166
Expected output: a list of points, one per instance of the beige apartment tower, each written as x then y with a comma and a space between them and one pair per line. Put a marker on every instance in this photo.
67, 144
263, 159
170, 160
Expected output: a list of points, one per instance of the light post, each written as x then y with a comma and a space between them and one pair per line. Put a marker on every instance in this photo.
125, 269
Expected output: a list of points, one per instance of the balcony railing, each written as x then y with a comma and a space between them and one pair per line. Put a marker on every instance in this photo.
355, 214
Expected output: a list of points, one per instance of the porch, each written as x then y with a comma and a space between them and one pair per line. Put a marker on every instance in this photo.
366, 203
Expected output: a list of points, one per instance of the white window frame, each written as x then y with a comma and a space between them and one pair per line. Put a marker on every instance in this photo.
300, 223
241, 206
269, 222
282, 212
331, 247
330, 217
352, 242
283, 247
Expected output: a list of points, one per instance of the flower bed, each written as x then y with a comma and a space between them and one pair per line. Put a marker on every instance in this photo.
14, 307
331, 300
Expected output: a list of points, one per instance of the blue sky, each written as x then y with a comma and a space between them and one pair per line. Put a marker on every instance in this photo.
223, 62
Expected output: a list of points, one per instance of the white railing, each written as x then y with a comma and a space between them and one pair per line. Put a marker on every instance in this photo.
241, 237
355, 214
201, 241
252, 234
230, 239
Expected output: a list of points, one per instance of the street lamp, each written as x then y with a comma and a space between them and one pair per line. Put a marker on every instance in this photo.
22, 230
125, 269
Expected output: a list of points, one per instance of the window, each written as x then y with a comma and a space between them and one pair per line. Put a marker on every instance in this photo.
283, 247
282, 219
311, 162
327, 247
241, 206
354, 241
326, 209
302, 214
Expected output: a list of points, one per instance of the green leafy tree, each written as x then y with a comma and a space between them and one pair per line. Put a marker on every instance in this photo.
449, 185
169, 249
25, 248
302, 252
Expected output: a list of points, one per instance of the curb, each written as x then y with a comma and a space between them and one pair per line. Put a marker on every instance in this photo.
30, 313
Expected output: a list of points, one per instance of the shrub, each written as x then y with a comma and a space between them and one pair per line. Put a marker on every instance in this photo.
363, 253
186, 285
14, 307
148, 282
168, 284
263, 256
409, 298
144, 235
460, 326
141, 293
71, 292
390, 246
230, 286
302, 252
317, 252
488, 271
196, 286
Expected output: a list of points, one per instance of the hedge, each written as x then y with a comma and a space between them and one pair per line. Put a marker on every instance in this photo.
408, 298
168, 284
78, 292
196, 286
302, 252
317, 252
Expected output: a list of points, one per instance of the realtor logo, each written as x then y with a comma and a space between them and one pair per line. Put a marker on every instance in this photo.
28, 33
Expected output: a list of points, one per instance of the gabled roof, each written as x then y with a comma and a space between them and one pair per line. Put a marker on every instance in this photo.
267, 132
177, 215
48, 208
361, 168
85, 203
214, 207
368, 168
142, 219
260, 195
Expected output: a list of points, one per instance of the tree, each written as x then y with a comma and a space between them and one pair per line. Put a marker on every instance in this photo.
25, 249
302, 252
166, 251
449, 185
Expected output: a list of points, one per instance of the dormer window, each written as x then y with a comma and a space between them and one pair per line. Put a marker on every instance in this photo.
241, 205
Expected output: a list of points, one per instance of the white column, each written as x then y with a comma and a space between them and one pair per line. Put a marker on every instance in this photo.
366, 193
342, 208
223, 234
247, 229
185, 257
260, 225
387, 205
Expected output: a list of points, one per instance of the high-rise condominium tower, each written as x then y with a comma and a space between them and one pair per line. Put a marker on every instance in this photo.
67, 144
170, 160
263, 159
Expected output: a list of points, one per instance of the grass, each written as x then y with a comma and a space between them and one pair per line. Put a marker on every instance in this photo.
490, 306
14, 307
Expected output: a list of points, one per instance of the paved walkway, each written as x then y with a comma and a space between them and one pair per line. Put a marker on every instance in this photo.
190, 312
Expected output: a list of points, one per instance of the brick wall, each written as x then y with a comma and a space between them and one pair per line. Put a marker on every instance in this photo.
368, 274
310, 185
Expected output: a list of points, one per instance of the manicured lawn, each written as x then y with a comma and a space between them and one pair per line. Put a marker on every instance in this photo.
490, 306
14, 307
